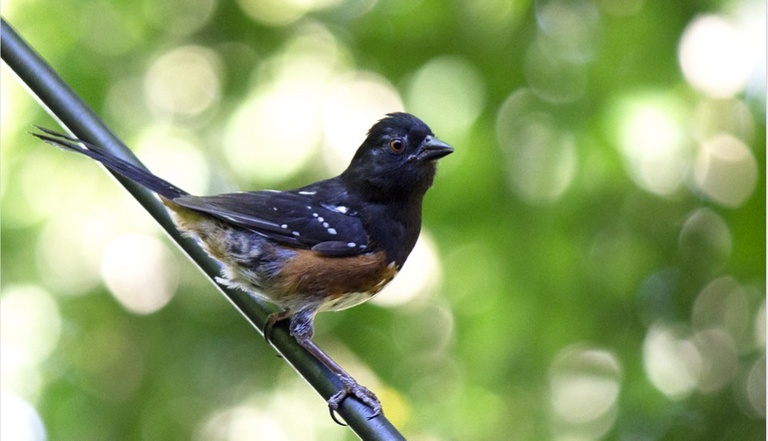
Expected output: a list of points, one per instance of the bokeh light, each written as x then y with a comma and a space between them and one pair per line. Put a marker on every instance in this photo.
716, 56
21, 422
16, 109
449, 93
175, 156
31, 326
541, 158
280, 13
240, 423
271, 415
706, 240
489, 18
139, 272
354, 103
424, 330
756, 387
671, 360
36, 197
719, 359
262, 128
715, 117
183, 83
571, 27
420, 277
81, 236
122, 103
722, 304
725, 171
179, 18
759, 328
276, 130
584, 388
653, 141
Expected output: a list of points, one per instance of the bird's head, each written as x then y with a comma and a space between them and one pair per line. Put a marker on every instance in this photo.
396, 160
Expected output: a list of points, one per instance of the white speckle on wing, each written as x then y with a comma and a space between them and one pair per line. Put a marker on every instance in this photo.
309, 207
274, 208
339, 209
351, 244
325, 224
284, 226
307, 193
295, 233
314, 214
331, 231
320, 219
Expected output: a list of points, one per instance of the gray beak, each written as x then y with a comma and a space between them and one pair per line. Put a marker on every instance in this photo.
432, 149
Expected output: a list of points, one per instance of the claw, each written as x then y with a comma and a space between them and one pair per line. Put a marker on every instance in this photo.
333, 415
353, 388
301, 329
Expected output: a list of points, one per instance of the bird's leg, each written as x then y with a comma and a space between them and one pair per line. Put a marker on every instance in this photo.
270, 323
302, 330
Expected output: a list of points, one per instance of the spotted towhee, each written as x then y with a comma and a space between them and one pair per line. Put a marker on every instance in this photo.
325, 247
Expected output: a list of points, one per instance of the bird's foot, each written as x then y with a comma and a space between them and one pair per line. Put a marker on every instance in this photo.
353, 388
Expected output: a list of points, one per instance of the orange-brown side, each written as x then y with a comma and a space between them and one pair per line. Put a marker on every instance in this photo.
311, 274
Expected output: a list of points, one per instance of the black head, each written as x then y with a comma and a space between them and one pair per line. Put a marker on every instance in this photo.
397, 159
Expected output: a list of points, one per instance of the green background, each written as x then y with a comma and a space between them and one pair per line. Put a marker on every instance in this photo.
593, 256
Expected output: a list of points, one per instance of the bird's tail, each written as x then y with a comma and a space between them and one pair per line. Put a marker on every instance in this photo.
117, 165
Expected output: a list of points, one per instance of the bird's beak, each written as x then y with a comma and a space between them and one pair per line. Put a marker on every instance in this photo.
433, 149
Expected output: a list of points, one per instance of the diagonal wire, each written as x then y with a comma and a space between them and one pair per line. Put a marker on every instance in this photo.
70, 110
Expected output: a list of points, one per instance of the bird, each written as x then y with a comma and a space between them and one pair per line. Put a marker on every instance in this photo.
327, 246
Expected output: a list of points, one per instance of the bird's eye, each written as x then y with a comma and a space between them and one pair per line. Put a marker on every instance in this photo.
397, 145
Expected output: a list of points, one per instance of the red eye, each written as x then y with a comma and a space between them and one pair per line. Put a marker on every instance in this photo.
397, 145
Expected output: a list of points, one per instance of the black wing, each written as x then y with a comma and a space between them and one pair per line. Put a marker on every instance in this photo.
296, 218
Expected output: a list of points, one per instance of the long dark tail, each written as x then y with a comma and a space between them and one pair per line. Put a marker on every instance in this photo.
117, 165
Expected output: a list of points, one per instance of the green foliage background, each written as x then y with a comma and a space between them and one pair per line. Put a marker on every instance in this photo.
571, 296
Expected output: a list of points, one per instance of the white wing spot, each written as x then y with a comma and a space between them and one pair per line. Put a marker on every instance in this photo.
320, 219
307, 193
295, 233
284, 226
325, 224
331, 231
351, 244
314, 214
